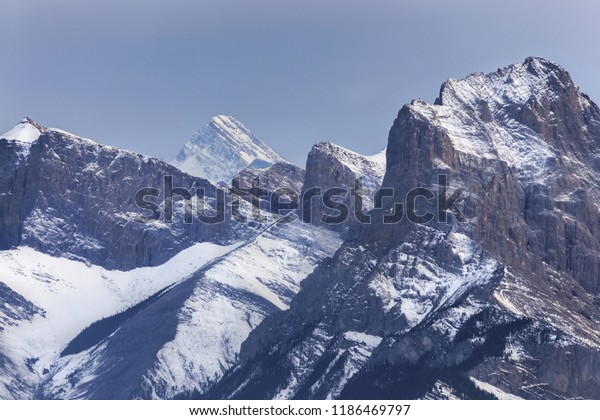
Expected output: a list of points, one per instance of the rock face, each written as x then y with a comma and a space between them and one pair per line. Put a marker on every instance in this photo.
331, 166
64, 195
494, 296
501, 305
223, 148
281, 182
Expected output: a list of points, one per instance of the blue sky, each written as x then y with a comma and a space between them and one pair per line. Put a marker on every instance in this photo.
145, 74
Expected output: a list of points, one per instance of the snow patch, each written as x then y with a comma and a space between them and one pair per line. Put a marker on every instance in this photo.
73, 295
495, 391
23, 132
359, 337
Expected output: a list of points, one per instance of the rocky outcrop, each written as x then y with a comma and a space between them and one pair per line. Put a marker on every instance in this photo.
330, 167
278, 185
13, 157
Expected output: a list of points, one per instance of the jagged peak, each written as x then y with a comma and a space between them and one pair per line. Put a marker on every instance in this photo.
523, 115
221, 148
29, 120
225, 120
336, 149
228, 124
517, 83
26, 131
226, 129
539, 65
329, 147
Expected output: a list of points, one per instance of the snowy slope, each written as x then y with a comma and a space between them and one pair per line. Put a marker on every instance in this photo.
346, 320
71, 295
223, 302
221, 149
272, 268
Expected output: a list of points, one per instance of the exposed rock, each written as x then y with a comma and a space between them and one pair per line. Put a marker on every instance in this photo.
279, 183
330, 167
65, 195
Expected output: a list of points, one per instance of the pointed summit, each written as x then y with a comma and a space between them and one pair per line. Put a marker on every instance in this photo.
534, 78
221, 149
27, 131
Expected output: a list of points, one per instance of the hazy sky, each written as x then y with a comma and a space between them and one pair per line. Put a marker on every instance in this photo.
144, 74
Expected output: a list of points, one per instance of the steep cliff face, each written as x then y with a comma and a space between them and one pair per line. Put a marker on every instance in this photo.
13, 156
64, 195
330, 166
502, 304
523, 142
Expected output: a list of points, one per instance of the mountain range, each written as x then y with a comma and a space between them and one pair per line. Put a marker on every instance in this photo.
496, 295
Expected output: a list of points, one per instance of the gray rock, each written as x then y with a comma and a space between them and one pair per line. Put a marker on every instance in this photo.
68, 196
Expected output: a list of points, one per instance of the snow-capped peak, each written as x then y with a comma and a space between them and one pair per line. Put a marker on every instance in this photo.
27, 131
221, 149
494, 116
515, 84
369, 166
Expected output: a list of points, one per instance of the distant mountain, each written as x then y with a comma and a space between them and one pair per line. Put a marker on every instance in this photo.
221, 149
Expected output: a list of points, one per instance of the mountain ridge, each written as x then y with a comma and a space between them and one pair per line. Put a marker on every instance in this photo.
501, 304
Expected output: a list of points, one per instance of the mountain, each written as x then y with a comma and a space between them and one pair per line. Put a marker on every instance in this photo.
495, 297
328, 166
71, 244
221, 149
189, 335
69, 196
161, 306
486, 287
